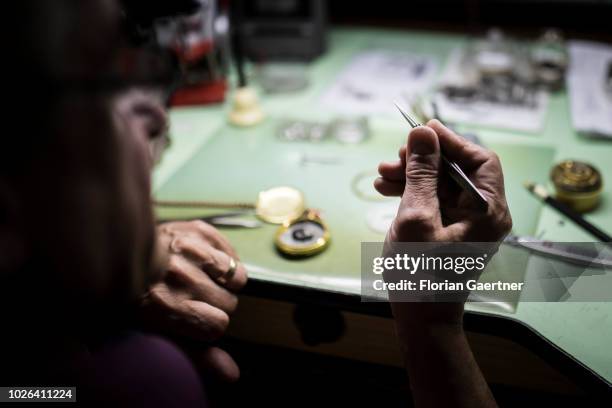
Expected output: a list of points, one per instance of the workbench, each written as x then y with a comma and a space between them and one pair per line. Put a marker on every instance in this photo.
546, 345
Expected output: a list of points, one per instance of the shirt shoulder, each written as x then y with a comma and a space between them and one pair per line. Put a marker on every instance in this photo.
142, 370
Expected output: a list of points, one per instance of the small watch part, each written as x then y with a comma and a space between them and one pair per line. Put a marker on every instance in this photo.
302, 131
350, 130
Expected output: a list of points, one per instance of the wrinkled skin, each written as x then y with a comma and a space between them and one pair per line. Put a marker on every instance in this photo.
432, 209
195, 297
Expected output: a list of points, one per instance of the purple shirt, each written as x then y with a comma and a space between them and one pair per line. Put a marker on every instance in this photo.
137, 370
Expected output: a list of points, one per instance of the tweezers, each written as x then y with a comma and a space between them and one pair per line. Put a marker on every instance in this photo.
454, 170
224, 220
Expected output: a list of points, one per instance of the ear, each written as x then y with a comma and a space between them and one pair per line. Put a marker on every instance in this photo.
12, 234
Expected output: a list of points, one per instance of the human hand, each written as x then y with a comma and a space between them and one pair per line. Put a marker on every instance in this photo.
434, 209
197, 294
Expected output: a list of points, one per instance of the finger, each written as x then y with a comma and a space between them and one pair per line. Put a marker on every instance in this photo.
217, 239
422, 167
455, 214
482, 165
467, 154
392, 171
204, 319
389, 188
173, 314
234, 275
449, 192
457, 232
216, 363
402, 154
200, 285
216, 263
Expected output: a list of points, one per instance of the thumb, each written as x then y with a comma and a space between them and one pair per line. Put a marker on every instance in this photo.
422, 167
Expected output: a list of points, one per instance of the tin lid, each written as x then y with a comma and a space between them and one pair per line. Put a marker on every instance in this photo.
576, 176
279, 204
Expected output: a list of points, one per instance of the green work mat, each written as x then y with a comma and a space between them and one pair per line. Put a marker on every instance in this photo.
235, 164
209, 159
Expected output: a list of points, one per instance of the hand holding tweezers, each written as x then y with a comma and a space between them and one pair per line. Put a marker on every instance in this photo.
454, 170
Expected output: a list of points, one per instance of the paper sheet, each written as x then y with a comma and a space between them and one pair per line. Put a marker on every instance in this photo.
373, 79
523, 117
513, 117
591, 106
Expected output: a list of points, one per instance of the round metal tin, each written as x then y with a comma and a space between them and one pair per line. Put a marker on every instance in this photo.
577, 184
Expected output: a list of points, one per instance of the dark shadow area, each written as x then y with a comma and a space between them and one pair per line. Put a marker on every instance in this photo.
279, 377
580, 19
